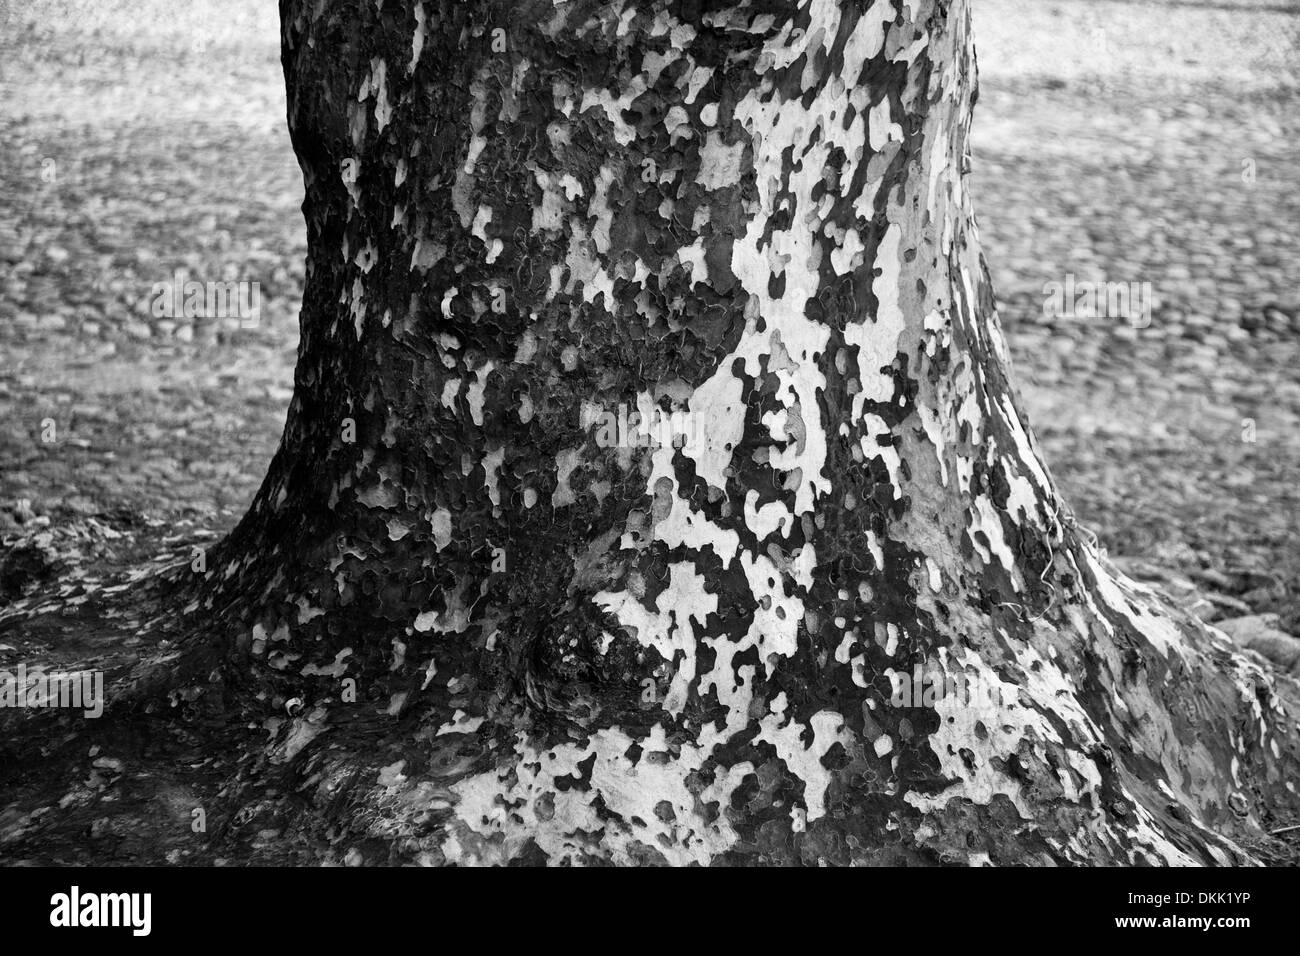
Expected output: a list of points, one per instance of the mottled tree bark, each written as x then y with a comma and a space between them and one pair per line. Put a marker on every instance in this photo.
568, 646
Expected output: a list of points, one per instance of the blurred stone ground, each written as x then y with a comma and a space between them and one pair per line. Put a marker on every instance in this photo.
1116, 141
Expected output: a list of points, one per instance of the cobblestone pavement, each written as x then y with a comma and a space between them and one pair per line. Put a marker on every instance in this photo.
1118, 142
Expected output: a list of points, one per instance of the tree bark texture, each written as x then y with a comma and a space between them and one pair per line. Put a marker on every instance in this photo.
528, 220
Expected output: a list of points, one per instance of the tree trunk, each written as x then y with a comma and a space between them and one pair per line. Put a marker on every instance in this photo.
653, 489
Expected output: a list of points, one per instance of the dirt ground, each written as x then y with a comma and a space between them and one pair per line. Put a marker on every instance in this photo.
1115, 141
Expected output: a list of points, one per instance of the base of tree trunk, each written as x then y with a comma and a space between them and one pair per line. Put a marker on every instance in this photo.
200, 759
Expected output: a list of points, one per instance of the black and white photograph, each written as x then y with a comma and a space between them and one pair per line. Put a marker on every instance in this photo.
748, 434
